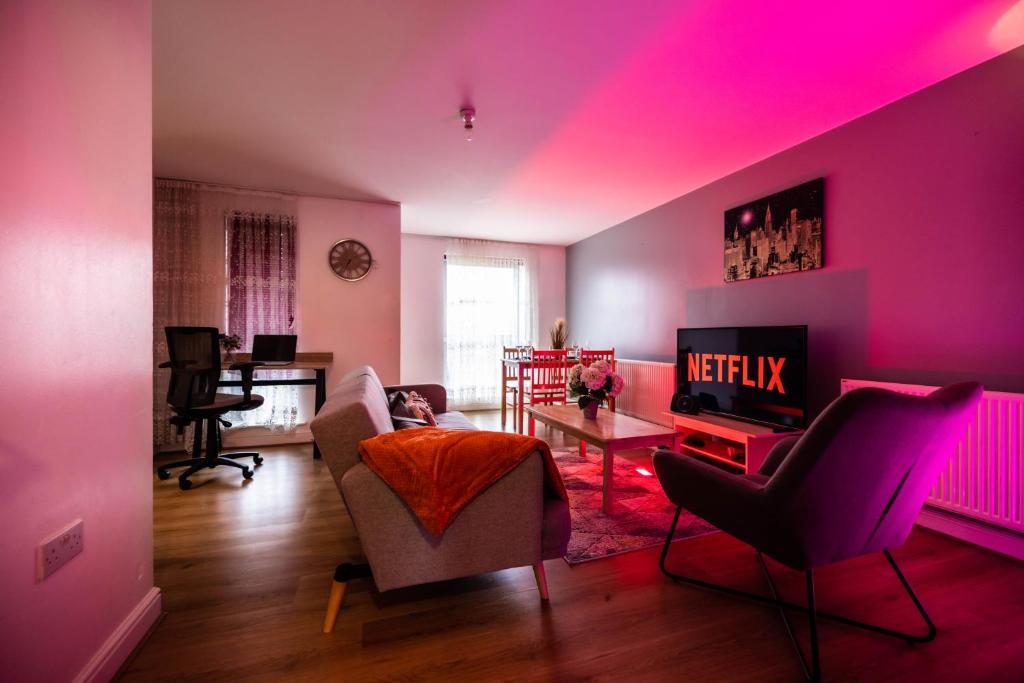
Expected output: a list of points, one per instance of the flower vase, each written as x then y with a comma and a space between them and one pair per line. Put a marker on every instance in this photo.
590, 410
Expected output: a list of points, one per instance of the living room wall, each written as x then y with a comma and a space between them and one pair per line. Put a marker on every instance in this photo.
358, 321
423, 303
922, 280
76, 276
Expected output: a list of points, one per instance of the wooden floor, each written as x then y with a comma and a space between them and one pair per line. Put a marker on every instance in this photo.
245, 571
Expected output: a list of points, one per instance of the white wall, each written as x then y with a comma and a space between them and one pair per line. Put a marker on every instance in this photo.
423, 304
76, 276
358, 321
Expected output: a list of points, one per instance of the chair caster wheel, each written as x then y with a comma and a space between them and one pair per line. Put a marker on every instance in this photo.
247, 473
257, 460
163, 474
184, 484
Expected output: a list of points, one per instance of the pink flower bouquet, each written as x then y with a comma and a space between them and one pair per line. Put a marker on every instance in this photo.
591, 385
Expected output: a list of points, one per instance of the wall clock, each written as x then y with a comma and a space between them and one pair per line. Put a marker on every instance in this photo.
350, 260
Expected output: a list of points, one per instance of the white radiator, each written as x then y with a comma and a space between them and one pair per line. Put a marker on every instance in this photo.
648, 389
984, 478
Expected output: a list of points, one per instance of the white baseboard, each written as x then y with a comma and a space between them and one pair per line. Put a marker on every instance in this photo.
1002, 541
125, 638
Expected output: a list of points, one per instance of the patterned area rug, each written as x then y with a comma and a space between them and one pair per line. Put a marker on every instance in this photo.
642, 512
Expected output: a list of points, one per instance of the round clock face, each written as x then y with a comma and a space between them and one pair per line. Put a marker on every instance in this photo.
350, 260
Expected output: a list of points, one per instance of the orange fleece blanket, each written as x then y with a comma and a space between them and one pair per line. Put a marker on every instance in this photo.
437, 472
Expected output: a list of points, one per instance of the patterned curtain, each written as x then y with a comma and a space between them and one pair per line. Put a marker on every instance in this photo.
180, 287
261, 300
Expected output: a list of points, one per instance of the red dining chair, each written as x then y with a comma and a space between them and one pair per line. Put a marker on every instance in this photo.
548, 375
588, 356
510, 384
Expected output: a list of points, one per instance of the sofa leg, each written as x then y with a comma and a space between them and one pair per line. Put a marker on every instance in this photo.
334, 604
342, 575
542, 580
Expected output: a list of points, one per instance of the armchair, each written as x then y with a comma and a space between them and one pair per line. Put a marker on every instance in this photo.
852, 484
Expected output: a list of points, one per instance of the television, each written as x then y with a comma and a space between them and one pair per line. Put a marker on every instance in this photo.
758, 374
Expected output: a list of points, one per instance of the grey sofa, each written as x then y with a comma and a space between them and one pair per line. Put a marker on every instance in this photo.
511, 524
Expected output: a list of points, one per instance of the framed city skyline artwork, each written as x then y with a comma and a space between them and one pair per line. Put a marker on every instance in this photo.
780, 233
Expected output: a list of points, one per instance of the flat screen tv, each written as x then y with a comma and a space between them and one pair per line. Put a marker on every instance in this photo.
752, 373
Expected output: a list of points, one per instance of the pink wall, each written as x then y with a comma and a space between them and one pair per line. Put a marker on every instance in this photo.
358, 321
924, 205
76, 305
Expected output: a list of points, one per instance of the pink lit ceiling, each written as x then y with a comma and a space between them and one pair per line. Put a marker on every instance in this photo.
589, 112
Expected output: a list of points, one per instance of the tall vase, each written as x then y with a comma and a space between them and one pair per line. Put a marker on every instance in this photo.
590, 410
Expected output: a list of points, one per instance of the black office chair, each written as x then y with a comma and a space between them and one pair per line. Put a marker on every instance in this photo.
192, 395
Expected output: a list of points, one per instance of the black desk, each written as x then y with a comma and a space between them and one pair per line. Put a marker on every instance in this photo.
317, 362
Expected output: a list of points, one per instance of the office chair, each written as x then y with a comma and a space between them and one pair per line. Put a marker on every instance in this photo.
851, 485
192, 395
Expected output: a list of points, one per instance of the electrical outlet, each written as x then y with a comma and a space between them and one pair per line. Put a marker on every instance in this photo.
58, 550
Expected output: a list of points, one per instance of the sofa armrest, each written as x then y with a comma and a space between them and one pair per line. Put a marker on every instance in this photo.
503, 527
435, 394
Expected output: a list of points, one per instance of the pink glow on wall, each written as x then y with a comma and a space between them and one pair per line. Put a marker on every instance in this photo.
75, 273
695, 103
920, 286
1007, 32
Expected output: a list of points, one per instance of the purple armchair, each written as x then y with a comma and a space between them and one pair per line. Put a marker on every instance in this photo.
852, 484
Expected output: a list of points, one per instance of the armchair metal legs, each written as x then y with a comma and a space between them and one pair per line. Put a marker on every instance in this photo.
812, 670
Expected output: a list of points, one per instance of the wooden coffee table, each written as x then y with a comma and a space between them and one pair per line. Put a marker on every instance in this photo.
610, 432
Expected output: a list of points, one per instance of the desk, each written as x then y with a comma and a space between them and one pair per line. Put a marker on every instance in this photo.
318, 362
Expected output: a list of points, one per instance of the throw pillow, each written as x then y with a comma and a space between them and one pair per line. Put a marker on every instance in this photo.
396, 404
401, 416
420, 408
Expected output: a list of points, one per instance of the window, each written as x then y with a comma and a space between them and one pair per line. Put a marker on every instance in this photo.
488, 305
260, 299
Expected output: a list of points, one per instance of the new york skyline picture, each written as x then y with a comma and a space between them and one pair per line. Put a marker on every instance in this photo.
780, 233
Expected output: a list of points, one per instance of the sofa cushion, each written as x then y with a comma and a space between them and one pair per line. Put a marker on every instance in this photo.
454, 420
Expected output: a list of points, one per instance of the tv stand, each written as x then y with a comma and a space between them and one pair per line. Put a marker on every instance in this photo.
740, 446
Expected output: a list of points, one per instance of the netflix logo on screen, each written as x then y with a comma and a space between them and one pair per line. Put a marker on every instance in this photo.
700, 369
753, 373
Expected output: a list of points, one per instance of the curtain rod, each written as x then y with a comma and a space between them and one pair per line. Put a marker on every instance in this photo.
271, 193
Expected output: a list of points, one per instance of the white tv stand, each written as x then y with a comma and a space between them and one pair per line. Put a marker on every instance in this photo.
742, 446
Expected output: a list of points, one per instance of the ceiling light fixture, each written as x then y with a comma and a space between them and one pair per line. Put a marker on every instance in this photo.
468, 115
